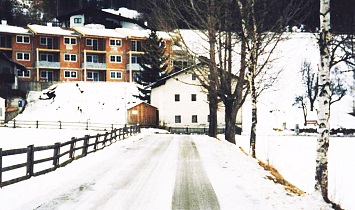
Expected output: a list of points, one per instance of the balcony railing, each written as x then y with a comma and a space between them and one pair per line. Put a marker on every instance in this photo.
48, 64
94, 65
133, 66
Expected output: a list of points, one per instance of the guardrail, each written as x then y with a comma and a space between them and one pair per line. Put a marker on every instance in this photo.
44, 159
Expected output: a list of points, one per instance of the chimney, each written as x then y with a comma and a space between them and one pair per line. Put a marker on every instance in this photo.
3, 22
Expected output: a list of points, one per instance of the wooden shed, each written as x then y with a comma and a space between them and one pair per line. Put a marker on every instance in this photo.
143, 114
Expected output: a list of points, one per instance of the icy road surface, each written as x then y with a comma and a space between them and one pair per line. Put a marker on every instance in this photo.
157, 172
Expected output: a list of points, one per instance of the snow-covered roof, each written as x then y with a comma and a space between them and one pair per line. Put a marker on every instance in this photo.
91, 30
142, 33
48, 29
4, 28
123, 12
129, 32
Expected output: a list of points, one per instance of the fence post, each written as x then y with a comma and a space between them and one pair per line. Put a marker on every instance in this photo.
36, 123
56, 154
119, 133
0, 167
14, 123
72, 148
96, 141
87, 125
105, 139
85, 146
60, 124
30, 160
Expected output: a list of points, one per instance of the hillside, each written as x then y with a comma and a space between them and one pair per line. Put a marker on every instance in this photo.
81, 102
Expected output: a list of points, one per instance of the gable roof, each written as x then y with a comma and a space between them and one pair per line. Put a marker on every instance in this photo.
3, 56
174, 74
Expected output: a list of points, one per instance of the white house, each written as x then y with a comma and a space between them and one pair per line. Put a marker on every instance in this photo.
182, 102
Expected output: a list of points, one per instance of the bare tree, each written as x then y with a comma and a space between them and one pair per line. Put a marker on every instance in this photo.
263, 34
325, 36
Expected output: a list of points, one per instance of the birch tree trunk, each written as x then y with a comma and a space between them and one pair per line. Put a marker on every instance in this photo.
321, 177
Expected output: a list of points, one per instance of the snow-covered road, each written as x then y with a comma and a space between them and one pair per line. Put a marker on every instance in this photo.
157, 172
145, 180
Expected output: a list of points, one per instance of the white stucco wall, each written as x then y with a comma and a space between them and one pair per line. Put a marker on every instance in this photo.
163, 97
2, 110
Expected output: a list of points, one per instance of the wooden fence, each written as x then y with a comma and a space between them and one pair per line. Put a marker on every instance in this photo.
43, 159
61, 125
198, 130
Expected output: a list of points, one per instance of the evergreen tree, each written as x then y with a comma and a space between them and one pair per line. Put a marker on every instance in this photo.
154, 64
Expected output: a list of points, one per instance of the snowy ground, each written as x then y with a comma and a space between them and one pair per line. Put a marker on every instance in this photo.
89, 183
232, 173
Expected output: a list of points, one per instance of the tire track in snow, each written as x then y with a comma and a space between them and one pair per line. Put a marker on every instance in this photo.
193, 189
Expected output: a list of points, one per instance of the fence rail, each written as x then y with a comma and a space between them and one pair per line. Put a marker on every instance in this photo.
61, 154
61, 125
199, 130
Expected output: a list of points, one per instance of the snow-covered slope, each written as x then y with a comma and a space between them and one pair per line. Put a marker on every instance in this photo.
99, 102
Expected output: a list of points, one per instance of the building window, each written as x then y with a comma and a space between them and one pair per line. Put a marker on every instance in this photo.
69, 40
135, 60
23, 56
162, 44
77, 20
115, 42
115, 59
92, 58
194, 119
177, 118
46, 57
136, 46
91, 42
23, 74
116, 75
193, 97
70, 74
70, 57
46, 40
23, 39
177, 97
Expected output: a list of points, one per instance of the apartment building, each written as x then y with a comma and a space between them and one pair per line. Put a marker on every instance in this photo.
82, 53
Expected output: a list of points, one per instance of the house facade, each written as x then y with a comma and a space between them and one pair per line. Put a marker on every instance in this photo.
182, 102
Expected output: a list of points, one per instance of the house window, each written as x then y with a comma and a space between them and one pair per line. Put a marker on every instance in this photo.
23, 74
115, 42
136, 76
193, 76
177, 97
193, 97
69, 40
70, 74
92, 58
23, 39
136, 45
116, 59
23, 56
70, 57
177, 118
194, 119
116, 75
77, 20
